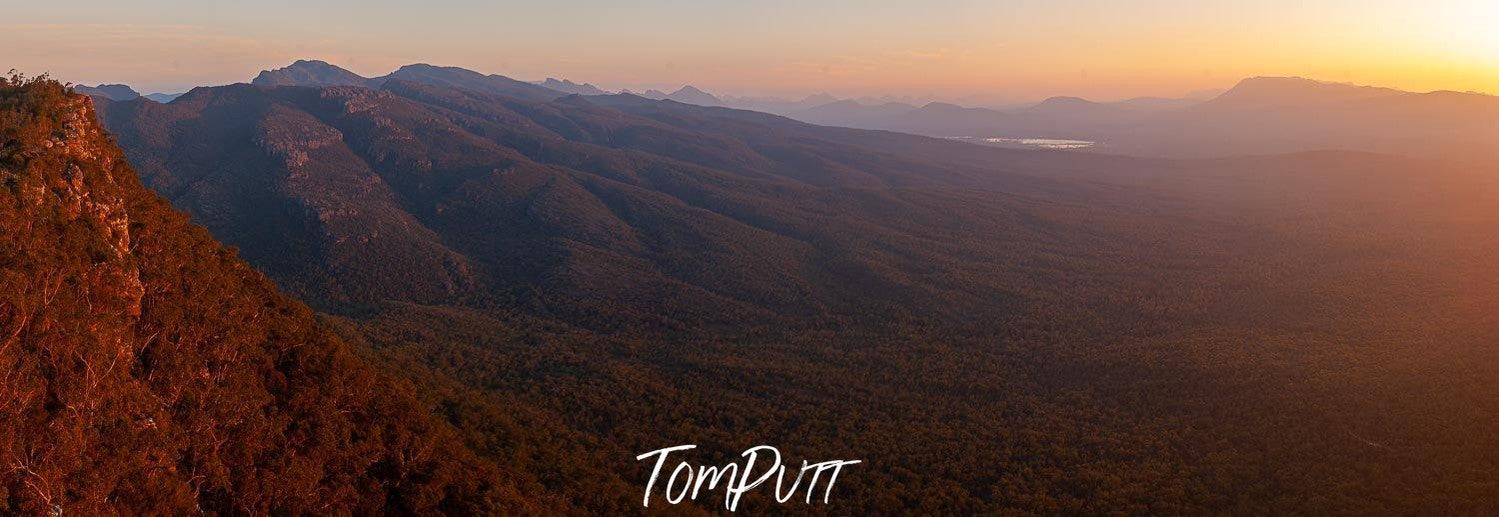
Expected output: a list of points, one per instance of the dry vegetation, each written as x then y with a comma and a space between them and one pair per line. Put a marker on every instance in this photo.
146, 369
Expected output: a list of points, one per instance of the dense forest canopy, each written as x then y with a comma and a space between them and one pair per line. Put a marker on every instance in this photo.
577, 280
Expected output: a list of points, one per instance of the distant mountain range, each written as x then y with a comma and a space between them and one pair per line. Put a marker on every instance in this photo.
1259, 115
1053, 118
686, 95
120, 92
566, 86
571, 280
312, 73
777, 105
115, 92
320, 73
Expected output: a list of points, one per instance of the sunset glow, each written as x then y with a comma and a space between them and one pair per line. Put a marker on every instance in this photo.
988, 51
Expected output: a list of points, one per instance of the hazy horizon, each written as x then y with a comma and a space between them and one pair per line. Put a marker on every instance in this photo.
974, 51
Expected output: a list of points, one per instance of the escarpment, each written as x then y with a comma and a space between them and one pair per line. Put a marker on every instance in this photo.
144, 368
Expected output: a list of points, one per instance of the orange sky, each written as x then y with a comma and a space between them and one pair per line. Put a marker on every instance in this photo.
960, 49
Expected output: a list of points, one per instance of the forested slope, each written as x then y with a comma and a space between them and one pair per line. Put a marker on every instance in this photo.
147, 369
579, 280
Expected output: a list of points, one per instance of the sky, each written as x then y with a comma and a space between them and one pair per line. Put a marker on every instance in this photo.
990, 51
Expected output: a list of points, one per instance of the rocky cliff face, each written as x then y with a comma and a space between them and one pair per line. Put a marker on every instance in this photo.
145, 369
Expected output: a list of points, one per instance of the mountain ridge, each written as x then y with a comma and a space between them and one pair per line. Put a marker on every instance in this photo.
307, 72
115, 92
647, 272
1267, 92
566, 86
151, 370
311, 72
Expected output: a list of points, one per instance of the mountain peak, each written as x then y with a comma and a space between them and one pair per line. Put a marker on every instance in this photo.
162, 97
1286, 92
452, 76
114, 92
1260, 84
429, 66
1261, 81
691, 95
1063, 103
310, 72
566, 86
942, 106
1067, 100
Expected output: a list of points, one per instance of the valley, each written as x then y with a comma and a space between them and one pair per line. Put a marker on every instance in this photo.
573, 281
